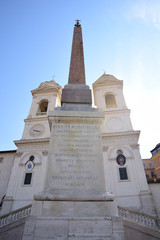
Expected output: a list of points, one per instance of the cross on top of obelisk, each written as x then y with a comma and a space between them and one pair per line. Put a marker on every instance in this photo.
77, 23
76, 92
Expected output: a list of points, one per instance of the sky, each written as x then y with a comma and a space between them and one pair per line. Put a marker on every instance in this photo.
120, 37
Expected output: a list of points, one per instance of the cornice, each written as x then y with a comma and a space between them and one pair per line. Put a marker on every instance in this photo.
101, 85
36, 119
48, 86
117, 134
154, 157
8, 151
31, 141
126, 110
44, 91
107, 79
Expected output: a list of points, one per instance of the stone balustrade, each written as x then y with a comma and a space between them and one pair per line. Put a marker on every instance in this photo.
15, 215
139, 218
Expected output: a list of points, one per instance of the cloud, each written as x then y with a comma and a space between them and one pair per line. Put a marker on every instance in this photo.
145, 116
146, 10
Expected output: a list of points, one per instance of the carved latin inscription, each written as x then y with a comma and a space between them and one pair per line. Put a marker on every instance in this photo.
76, 160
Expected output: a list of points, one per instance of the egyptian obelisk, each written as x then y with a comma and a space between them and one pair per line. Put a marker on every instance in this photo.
75, 162
77, 92
74, 203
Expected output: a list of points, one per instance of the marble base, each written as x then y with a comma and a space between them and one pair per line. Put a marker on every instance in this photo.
74, 203
46, 228
74, 208
76, 93
75, 160
73, 195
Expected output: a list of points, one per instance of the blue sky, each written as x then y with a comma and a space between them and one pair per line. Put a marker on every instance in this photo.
120, 37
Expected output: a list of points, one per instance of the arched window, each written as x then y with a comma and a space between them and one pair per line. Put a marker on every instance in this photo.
43, 106
110, 101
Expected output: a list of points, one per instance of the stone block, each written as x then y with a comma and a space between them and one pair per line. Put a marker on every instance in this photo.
51, 228
37, 208
79, 208
90, 227
117, 224
28, 236
46, 238
75, 228
119, 236
29, 225
91, 237
76, 96
75, 161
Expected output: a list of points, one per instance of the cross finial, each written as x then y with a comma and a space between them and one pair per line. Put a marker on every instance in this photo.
104, 71
77, 23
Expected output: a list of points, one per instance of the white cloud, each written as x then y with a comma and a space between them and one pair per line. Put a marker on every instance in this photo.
145, 116
146, 10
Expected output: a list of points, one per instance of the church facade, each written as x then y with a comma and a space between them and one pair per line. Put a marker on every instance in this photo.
23, 171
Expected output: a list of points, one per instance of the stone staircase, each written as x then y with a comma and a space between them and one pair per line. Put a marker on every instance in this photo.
136, 225
139, 218
15, 215
139, 226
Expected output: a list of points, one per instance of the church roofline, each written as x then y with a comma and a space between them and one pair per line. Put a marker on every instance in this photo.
48, 86
107, 79
8, 151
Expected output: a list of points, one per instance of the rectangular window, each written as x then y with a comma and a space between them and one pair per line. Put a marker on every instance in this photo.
28, 178
154, 153
152, 174
123, 174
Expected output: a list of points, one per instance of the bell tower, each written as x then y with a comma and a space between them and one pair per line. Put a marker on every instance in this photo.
45, 98
108, 95
124, 171
28, 172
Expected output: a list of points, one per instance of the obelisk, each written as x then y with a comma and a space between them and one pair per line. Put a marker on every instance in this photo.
75, 162
77, 92
74, 203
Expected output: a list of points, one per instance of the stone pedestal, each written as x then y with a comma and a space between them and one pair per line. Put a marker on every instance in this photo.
75, 161
74, 209
76, 93
45, 228
74, 203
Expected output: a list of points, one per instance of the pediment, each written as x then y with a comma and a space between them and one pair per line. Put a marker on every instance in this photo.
107, 79
47, 86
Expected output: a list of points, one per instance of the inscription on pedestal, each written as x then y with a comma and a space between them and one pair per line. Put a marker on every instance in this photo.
75, 161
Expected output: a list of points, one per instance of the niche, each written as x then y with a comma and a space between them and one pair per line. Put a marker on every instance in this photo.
110, 101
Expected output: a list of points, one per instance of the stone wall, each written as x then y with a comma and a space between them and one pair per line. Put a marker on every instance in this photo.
12, 225
6, 162
13, 231
134, 231
155, 190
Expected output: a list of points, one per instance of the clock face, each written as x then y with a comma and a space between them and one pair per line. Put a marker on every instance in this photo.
37, 130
